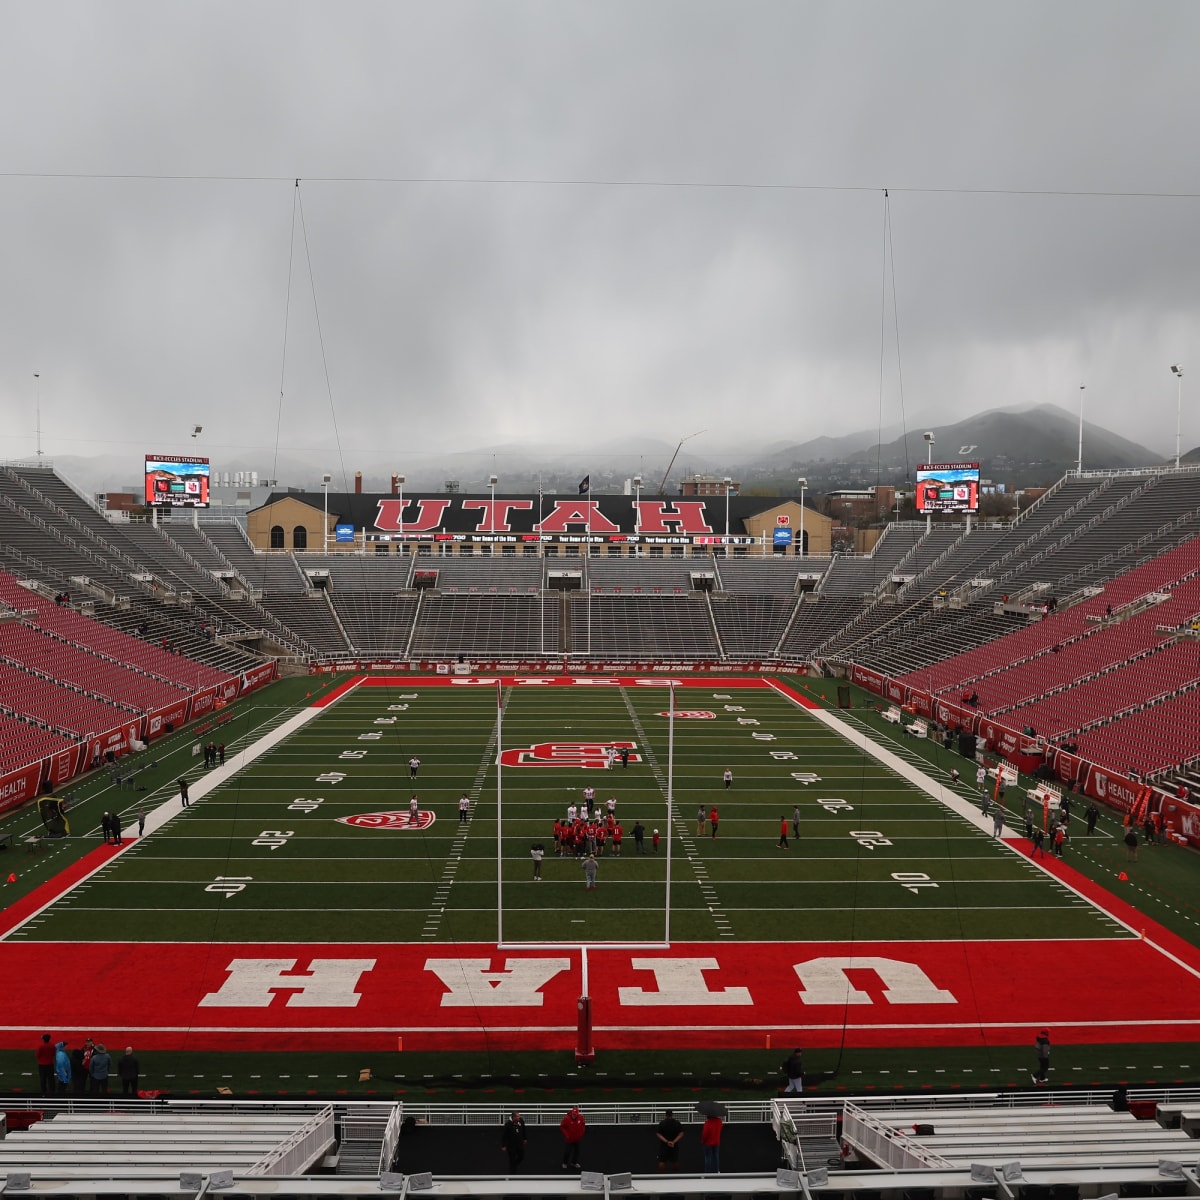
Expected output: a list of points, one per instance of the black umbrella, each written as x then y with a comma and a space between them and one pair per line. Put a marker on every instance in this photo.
712, 1108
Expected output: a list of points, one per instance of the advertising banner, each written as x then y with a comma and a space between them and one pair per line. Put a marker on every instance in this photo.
19, 786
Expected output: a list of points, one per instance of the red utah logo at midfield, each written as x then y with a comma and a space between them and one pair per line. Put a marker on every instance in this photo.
592, 755
400, 818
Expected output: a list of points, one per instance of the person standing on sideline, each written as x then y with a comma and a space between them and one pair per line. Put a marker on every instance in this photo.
414, 765
981, 777
1038, 838
464, 809
106, 830
796, 822
537, 852
62, 1067
141, 822
128, 1071
590, 869
639, 838
573, 1128
1093, 815
701, 821
654, 839
793, 1068
1131, 844
118, 840
1041, 1047
99, 1069
45, 1065
221, 754
727, 778
710, 1139
625, 758
714, 819
513, 1140
783, 828
183, 793
668, 1133
998, 820
414, 809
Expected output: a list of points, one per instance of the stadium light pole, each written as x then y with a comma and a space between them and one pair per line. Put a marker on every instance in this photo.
325, 526
727, 481
929, 440
637, 505
1079, 461
492, 481
803, 487
1177, 371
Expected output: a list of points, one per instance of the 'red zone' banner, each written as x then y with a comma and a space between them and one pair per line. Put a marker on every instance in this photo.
20, 786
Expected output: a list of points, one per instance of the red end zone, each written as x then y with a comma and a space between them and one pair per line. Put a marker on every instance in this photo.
699, 995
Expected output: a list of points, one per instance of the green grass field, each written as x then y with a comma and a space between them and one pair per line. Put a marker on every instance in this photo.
264, 856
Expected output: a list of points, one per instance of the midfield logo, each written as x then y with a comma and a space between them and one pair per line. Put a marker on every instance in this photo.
399, 818
589, 755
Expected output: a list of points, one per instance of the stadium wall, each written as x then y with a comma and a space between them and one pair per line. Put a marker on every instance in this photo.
46, 774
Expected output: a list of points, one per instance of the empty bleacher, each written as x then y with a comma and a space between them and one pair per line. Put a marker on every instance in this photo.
642, 627
484, 626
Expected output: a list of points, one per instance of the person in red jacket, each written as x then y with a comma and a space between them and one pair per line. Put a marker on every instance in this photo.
710, 1139
573, 1127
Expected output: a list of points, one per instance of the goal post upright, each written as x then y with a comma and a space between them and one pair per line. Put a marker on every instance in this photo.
499, 812
670, 807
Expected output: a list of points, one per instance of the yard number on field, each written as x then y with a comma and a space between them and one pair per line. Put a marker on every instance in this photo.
301, 804
912, 880
869, 838
229, 885
273, 838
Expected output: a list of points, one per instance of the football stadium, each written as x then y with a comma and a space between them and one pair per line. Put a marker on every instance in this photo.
364, 820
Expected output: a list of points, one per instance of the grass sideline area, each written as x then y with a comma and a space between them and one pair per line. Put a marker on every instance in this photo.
330, 882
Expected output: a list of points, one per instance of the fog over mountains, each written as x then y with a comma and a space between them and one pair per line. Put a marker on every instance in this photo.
1026, 446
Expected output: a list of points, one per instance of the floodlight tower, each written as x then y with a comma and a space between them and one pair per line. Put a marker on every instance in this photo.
929, 440
803, 485
1177, 371
325, 480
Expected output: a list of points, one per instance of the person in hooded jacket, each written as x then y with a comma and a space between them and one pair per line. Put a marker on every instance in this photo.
62, 1066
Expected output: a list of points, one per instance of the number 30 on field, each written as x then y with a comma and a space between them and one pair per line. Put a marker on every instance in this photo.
912, 880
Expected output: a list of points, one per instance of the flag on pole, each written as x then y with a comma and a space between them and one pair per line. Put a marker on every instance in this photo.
585, 485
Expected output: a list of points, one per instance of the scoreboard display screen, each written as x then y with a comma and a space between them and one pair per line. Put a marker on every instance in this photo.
948, 487
177, 482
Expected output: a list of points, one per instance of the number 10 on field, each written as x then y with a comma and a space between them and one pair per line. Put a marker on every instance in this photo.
912, 880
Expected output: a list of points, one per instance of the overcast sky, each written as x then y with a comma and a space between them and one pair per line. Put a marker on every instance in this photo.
561, 221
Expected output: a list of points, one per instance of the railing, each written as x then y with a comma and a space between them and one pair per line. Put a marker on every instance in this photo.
883, 1144
391, 1138
300, 1149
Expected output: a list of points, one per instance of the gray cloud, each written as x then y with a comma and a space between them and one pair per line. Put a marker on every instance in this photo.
469, 314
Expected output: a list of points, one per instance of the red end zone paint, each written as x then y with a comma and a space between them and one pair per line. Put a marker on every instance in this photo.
690, 996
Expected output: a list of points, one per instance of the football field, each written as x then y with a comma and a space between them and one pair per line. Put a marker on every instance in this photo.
300, 901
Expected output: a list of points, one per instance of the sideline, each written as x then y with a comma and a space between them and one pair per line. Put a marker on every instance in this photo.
20, 913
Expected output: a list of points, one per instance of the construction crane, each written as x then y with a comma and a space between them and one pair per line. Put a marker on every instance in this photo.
662, 487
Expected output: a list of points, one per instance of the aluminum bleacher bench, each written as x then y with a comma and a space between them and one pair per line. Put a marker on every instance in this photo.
34, 844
